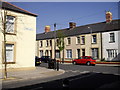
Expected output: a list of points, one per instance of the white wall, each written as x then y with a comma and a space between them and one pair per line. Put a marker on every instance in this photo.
25, 39
107, 45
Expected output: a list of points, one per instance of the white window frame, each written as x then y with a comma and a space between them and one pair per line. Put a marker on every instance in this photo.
78, 40
82, 39
10, 53
69, 53
95, 53
112, 53
94, 39
69, 41
41, 43
10, 24
112, 37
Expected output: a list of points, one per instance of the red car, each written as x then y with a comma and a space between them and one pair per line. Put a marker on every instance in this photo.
88, 60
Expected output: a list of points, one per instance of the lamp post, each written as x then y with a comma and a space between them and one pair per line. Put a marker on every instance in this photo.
55, 45
90, 40
54, 40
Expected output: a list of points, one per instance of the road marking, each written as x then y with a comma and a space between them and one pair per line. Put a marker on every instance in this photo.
85, 72
75, 71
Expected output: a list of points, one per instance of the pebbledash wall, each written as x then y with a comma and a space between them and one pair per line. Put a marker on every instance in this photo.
23, 40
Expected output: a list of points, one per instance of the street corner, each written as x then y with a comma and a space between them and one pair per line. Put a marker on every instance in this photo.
53, 73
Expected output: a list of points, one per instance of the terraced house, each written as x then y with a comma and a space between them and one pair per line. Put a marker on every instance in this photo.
88, 40
20, 37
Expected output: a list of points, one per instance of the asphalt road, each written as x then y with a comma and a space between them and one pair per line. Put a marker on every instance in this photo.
78, 76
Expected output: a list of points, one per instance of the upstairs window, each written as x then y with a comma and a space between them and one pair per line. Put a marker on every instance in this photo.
10, 24
47, 43
94, 39
78, 40
69, 41
50, 42
82, 39
41, 43
112, 37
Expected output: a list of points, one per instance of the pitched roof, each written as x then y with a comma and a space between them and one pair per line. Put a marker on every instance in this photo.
9, 6
96, 27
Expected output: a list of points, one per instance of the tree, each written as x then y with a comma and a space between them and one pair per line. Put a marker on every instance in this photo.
60, 43
5, 27
3, 30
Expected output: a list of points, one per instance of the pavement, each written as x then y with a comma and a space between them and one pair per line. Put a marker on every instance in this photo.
39, 72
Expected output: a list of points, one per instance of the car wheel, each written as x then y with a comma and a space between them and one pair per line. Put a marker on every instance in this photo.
74, 63
88, 63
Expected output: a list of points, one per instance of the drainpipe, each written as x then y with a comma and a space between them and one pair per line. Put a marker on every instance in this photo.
101, 46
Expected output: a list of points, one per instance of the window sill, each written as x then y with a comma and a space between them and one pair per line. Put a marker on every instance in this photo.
11, 33
112, 42
82, 44
93, 43
78, 44
68, 45
9, 63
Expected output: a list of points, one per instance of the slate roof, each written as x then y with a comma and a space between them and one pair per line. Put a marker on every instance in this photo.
11, 7
96, 28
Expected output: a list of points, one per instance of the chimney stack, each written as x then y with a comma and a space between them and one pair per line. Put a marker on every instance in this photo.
108, 17
72, 25
47, 29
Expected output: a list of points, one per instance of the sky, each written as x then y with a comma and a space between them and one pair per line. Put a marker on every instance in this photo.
62, 13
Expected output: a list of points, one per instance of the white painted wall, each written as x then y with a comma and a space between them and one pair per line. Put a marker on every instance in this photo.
25, 39
106, 45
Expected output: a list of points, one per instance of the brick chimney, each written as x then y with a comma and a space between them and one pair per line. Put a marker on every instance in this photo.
47, 29
108, 17
72, 25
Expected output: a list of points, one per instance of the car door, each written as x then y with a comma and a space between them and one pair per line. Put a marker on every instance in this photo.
79, 60
84, 59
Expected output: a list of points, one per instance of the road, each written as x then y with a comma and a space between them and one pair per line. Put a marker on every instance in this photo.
80, 76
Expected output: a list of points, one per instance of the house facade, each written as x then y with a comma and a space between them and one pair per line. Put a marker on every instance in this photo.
87, 40
20, 37
75, 46
111, 45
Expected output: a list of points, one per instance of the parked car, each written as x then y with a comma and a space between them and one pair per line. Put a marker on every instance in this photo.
37, 61
45, 59
88, 60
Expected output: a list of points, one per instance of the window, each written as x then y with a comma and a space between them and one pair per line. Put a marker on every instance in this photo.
83, 52
69, 41
57, 41
46, 53
9, 53
82, 39
78, 40
112, 53
47, 43
94, 39
41, 43
50, 42
10, 24
57, 54
51, 53
95, 53
112, 37
78, 53
69, 53
41, 53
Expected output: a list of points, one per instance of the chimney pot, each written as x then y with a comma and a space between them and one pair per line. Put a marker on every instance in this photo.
108, 17
72, 25
47, 28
